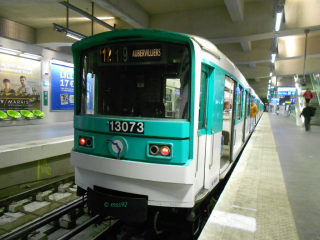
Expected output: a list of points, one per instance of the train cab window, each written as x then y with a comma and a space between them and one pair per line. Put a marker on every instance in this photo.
172, 97
136, 79
87, 86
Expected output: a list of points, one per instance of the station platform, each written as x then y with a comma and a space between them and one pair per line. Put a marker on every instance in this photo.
273, 192
35, 152
27, 133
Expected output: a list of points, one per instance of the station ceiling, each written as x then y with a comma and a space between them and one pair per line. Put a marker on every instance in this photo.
242, 29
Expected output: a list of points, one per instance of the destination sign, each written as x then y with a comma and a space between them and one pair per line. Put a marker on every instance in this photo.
286, 91
133, 53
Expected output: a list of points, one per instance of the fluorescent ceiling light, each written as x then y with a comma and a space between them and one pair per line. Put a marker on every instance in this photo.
105, 18
73, 36
278, 20
20, 53
68, 32
31, 56
273, 57
269, 80
269, 86
9, 51
61, 62
270, 74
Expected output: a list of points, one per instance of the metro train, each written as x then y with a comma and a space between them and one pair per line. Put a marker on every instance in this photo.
159, 120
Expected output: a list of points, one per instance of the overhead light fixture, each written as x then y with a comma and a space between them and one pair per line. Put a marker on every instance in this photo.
68, 32
269, 86
20, 53
73, 36
270, 74
61, 62
31, 56
273, 57
9, 51
279, 18
270, 80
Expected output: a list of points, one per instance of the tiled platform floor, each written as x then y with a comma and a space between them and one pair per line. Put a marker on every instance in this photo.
274, 190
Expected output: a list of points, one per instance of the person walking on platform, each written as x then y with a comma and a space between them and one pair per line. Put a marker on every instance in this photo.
308, 112
308, 95
253, 113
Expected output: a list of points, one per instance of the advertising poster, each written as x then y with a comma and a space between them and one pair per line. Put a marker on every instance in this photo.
19, 83
62, 87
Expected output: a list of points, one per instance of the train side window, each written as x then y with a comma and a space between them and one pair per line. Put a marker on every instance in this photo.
248, 106
202, 102
239, 102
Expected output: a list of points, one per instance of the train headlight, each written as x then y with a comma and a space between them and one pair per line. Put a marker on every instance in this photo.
154, 150
165, 151
86, 142
82, 141
160, 150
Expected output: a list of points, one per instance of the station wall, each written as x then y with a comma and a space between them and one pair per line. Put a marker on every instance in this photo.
45, 75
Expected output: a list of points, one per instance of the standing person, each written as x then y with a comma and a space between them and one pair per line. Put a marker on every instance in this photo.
253, 113
24, 88
226, 107
308, 95
7, 89
308, 112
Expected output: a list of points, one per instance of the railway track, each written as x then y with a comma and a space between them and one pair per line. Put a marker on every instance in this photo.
71, 220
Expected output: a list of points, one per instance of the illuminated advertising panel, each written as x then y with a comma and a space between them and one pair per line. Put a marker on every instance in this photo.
62, 87
19, 83
286, 91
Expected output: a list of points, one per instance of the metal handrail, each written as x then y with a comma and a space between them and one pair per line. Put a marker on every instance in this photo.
315, 86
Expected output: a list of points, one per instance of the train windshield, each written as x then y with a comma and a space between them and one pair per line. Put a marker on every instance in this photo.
136, 79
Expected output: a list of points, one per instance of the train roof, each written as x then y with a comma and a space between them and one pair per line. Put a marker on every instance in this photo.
209, 47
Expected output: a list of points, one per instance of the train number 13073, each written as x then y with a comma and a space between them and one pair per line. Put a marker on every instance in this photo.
126, 127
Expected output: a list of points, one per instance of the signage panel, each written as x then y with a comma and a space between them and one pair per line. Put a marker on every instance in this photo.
45, 98
286, 91
275, 101
121, 53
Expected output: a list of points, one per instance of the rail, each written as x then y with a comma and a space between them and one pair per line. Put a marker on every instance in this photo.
39, 222
315, 85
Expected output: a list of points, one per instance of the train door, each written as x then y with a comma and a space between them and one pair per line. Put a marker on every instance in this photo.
228, 125
202, 128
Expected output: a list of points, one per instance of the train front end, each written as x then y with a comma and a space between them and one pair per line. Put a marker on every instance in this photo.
132, 122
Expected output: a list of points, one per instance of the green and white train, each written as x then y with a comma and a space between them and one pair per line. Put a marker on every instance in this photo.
151, 132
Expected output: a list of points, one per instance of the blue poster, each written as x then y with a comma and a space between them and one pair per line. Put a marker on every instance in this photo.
62, 87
